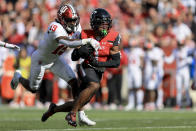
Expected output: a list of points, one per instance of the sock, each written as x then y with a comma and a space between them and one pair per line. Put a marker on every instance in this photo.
131, 98
159, 101
26, 84
140, 97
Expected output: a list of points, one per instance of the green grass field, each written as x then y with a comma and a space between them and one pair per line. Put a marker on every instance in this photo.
165, 120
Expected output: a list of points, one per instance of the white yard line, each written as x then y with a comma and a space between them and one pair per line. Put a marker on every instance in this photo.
166, 127
118, 128
78, 129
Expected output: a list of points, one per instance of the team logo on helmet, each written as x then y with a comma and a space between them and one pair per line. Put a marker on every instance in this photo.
68, 18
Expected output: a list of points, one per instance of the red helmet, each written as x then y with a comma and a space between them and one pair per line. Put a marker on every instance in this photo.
68, 17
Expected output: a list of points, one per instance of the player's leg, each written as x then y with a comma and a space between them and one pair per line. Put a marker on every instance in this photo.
139, 99
139, 92
179, 90
131, 96
36, 75
152, 96
150, 88
91, 85
74, 86
118, 90
186, 77
111, 84
83, 119
160, 93
53, 108
64, 71
159, 101
84, 97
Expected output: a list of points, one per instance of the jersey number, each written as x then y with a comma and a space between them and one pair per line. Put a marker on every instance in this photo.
59, 50
52, 28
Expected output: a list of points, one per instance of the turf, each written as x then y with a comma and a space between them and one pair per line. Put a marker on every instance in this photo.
166, 120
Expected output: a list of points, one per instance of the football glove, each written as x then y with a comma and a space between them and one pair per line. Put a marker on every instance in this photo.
94, 43
9, 46
83, 52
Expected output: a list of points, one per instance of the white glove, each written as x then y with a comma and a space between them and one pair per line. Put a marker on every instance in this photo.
94, 43
9, 46
86, 41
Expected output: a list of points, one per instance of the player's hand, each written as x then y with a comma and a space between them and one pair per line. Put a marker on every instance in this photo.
12, 46
86, 41
83, 52
9, 46
94, 43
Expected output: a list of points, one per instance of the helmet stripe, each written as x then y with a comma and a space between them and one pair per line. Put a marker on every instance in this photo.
73, 10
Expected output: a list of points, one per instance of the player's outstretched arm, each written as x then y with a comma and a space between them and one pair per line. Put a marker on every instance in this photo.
9, 46
73, 43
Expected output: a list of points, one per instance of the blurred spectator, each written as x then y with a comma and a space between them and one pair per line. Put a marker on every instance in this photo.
46, 88
151, 75
160, 63
7, 68
180, 54
23, 63
135, 65
114, 83
191, 4
191, 24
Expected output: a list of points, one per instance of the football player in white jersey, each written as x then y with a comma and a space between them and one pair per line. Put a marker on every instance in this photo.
158, 52
151, 75
135, 59
57, 39
9, 46
180, 54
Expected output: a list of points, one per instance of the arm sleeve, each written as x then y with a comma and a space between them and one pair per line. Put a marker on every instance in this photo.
113, 63
70, 43
117, 40
56, 31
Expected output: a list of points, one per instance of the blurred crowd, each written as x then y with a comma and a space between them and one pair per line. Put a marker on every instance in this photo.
157, 52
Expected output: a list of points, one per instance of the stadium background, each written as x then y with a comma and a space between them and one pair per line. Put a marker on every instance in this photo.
23, 22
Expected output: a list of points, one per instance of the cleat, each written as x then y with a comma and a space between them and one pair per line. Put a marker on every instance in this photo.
177, 107
84, 120
129, 107
71, 119
49, 112
139, 107
15, 79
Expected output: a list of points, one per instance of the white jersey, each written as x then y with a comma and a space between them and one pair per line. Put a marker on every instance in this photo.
49, 49
181, 57
49, 56
134, 70
159, 54
134, 57
151, 72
